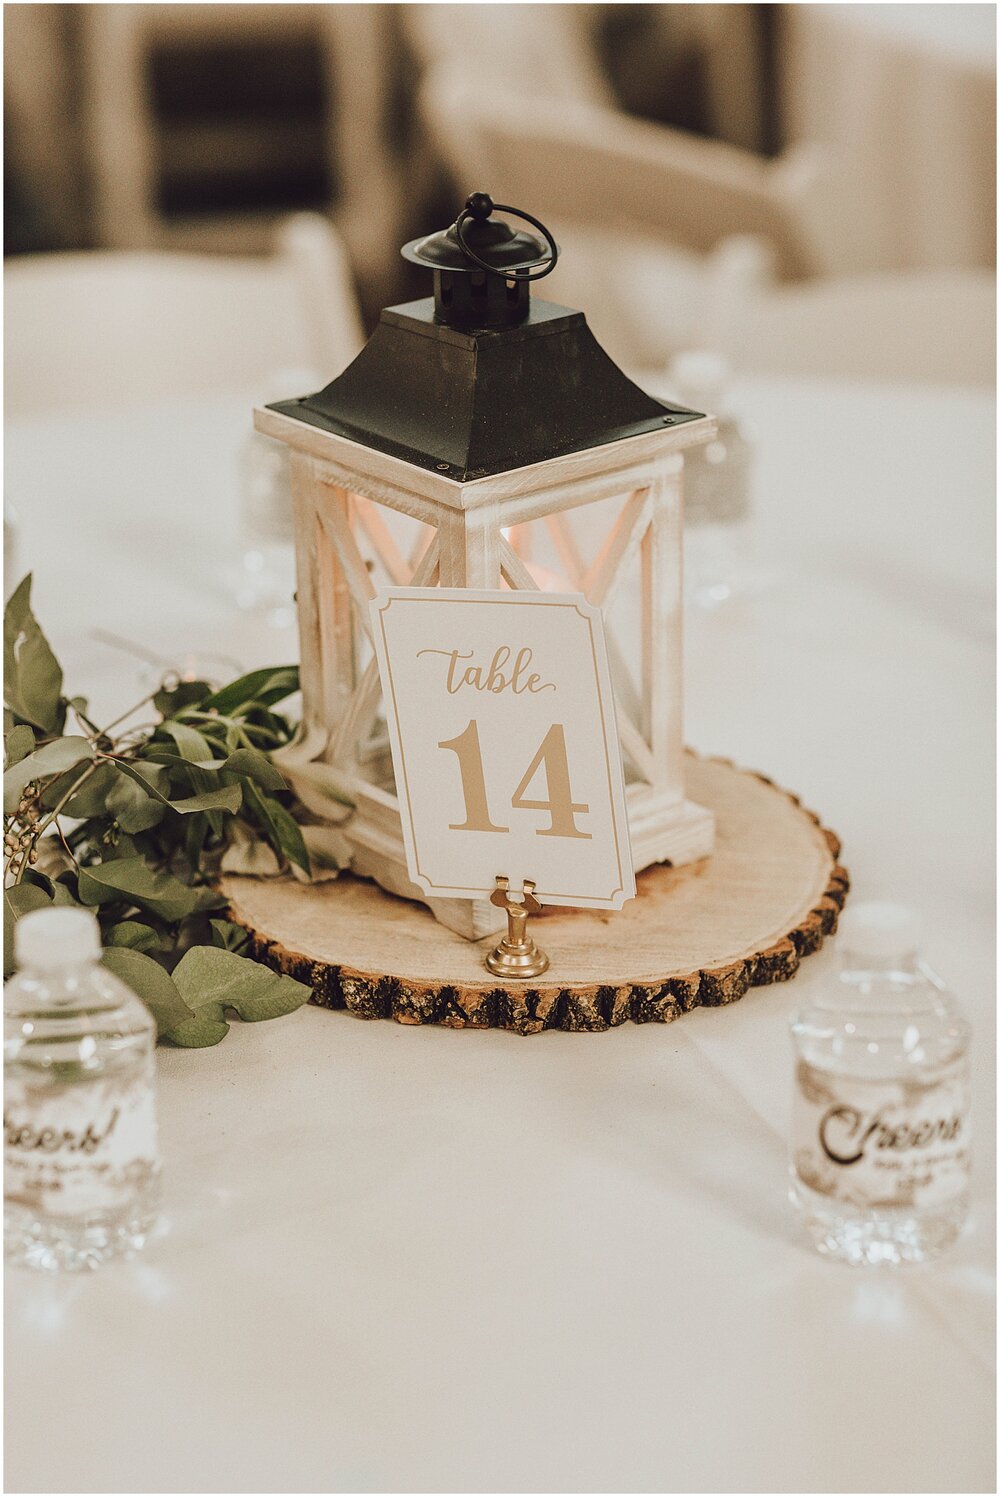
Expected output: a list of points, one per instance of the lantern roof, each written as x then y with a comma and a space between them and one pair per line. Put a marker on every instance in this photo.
478, 379
490, 239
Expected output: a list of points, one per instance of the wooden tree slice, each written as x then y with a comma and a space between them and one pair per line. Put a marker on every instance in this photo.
702, 934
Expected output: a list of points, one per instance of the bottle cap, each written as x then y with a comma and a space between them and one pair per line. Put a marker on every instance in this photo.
879, 931
46, 940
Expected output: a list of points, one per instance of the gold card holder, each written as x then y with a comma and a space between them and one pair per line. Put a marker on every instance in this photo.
516, 955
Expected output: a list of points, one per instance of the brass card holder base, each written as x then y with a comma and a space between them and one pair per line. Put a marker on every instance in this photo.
517, 955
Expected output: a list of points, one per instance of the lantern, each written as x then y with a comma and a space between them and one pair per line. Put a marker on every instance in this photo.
482, 438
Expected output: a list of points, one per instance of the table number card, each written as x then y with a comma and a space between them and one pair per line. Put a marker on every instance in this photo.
504, 742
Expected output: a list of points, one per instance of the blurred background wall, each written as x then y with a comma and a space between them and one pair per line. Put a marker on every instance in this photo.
695, 160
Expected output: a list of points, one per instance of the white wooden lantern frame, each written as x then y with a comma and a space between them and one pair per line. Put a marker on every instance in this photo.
340, 771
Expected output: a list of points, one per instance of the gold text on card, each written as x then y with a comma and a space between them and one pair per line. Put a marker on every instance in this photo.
518, 679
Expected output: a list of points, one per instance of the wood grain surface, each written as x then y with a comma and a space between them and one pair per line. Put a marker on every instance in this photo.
698, 935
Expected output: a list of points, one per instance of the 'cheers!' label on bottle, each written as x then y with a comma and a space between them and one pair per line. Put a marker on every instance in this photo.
882, 1143
79, 1147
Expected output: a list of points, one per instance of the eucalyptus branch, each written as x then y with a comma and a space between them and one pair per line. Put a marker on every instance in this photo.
88, 773
66, 847
81, 717
149, 826
106, 732
40, 827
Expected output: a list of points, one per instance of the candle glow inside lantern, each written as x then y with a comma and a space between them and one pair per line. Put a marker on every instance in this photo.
482, 439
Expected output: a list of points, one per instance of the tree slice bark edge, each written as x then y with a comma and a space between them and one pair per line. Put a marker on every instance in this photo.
532, 1008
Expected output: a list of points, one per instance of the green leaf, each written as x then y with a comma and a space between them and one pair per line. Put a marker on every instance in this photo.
122, 846
209, 899
132, 880
158, 753
211, 980
250, 765
199, 754
268, 686
90, 800
246, 764
289, 835
195, 835
17, 901
152, 984
191, 744
134, 802
51, 758
62, 890
153, 777
228, 798
32, 674
55, 889
18, 744
171, 699
227, 934
41, 880
278, 827
266, 730
134, 934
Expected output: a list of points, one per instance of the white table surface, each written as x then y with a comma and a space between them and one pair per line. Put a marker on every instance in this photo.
418, 1259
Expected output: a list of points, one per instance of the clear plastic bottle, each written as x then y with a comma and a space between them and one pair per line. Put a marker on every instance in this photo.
81, 1165
881, 1129
716, 483
265, 580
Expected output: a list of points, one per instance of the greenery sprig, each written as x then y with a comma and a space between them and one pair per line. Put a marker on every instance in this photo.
136, 820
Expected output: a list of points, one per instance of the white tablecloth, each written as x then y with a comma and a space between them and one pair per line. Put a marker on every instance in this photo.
419, 1259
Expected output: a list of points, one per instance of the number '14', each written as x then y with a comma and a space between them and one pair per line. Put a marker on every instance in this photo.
551, 756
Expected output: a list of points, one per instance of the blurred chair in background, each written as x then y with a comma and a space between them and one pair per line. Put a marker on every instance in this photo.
665, 234
112, 328
540, 51
672, 242
196, 115
43, 158
907, 94
198, 127
705, 68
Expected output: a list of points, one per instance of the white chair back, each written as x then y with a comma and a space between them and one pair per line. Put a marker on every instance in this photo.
110, 327
542, 51
642, 211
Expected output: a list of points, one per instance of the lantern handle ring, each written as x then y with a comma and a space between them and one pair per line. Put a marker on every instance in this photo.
548, 266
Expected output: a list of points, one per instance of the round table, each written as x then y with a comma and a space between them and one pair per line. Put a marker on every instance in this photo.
428, 1259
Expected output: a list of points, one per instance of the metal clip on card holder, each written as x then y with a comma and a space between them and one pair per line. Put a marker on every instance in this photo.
517, 955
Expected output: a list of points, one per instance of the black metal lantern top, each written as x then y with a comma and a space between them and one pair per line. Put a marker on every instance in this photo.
481, 380
482, 267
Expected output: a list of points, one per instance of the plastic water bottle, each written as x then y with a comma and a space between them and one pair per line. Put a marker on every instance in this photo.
716, 483
81, 1165
880, 1150
265, 579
